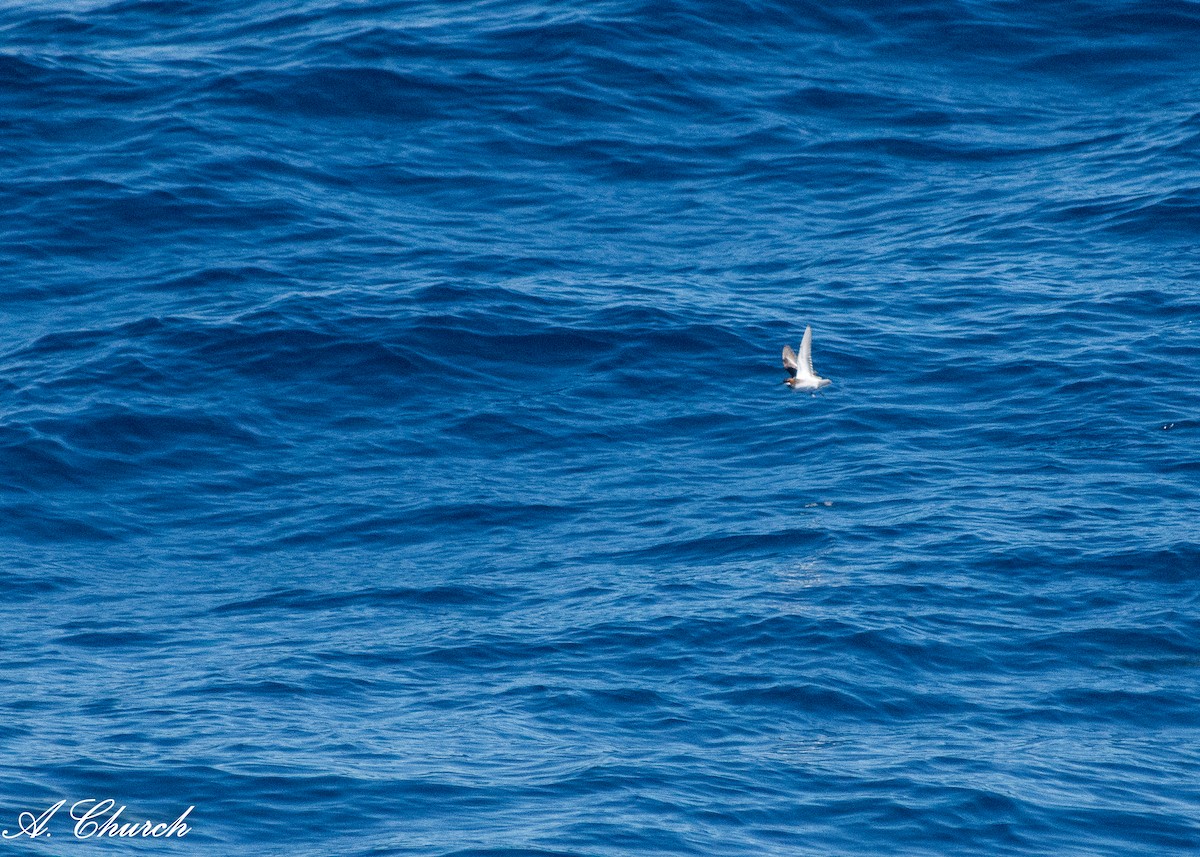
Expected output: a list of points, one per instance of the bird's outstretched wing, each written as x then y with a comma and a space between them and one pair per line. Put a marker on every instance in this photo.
805, 361
789, 361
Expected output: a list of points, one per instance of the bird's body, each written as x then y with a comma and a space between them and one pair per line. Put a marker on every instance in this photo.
800, 367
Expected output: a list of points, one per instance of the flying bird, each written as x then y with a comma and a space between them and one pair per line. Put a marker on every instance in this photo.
800, 369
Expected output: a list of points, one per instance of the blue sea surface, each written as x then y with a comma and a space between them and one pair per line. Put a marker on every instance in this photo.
395, 459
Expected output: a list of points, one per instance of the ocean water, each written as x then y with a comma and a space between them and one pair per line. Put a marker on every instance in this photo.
394, 458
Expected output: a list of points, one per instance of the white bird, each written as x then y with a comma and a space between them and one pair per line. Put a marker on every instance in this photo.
800, 368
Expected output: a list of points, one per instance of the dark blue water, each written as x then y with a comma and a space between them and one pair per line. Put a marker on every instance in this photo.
394, 458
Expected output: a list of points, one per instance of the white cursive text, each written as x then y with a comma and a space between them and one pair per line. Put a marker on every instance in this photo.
97, 819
